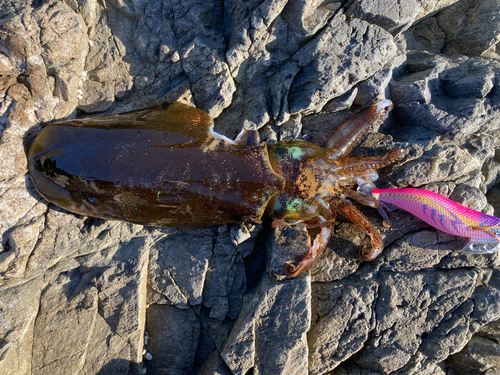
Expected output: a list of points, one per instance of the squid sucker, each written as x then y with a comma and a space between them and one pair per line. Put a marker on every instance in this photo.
165, 166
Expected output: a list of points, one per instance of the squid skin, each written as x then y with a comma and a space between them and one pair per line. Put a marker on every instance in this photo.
450, 217
165, 166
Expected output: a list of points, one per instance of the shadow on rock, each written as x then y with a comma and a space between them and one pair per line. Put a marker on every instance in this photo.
120, 367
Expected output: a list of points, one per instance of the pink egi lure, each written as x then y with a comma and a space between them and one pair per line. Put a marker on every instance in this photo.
448, 216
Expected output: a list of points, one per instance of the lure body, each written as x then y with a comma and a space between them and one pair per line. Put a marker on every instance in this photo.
445, 215
165, 166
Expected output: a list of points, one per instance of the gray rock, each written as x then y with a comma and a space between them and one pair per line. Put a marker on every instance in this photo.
208, 79
460, 84
169, 281
370, 91
429, 7
214, 366
172, 345
74, 291
343, 102
393, 16
319, 127
413, 88
268, 316
471, 27
225, 282
341, 331
427, 36
76, 323
447, 162
318, 64
480, 354
442, 100
289, 243
19, 308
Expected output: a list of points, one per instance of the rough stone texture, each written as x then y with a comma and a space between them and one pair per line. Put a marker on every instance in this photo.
429, 7
481, 354
471, 27
256, 340
426, 35
390, 15
75, 291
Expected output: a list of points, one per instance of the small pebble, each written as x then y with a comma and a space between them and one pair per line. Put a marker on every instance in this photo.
148, 356
144, 371
91, 43
80, 91
144, 352
175, 57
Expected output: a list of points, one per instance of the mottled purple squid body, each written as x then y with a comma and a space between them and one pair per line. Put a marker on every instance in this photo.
448, 216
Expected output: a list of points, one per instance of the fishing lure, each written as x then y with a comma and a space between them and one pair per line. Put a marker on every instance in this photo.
448, 216
166, 166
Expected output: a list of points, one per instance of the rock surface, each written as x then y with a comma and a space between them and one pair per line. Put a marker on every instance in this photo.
88, 296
